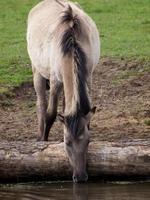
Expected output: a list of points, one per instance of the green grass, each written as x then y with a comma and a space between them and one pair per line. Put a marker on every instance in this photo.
124, 26
143, 67
147, 122
14, 60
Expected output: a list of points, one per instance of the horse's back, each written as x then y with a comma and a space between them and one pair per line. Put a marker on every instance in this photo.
41, 22
43, 31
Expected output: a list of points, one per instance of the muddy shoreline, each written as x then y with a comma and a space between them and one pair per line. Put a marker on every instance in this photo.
121, 92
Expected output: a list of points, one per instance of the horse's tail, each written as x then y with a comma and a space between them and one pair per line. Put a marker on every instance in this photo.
72, 50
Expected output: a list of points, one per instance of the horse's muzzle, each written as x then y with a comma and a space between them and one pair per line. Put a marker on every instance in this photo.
80, 178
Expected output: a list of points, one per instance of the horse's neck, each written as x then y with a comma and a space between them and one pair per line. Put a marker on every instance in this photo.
76, 96
70, 86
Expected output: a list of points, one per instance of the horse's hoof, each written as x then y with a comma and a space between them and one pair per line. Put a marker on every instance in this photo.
38, 140
41, 139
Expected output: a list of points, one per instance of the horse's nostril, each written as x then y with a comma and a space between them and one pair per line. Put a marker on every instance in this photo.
85, 177
75, 179
81, 178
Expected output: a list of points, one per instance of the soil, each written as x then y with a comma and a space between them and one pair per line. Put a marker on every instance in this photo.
121, 92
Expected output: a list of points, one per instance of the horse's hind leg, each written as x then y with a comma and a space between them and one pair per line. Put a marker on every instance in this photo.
40, 88
55, 89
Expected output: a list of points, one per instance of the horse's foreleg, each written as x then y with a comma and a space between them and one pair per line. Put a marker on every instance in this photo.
40, 88
55, 89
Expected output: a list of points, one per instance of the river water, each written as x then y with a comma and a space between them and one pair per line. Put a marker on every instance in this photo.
70, 191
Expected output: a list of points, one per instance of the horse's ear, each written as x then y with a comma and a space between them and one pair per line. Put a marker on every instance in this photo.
61, 118
93, 110
90, 114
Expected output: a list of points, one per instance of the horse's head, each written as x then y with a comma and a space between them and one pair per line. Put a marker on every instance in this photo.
76, 140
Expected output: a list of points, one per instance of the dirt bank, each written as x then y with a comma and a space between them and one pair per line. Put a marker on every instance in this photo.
121, 92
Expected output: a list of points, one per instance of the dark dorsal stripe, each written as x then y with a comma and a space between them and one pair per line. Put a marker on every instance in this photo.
71, 47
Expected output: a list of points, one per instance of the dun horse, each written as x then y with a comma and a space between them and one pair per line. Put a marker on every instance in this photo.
63, 45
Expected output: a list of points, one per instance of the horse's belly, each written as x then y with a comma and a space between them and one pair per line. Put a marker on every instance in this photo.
46, 61
40, 59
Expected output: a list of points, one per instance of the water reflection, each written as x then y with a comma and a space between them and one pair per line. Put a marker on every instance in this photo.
69, 191
80, 192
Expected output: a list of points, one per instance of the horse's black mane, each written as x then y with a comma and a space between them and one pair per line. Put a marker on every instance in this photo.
71, 47
72, 122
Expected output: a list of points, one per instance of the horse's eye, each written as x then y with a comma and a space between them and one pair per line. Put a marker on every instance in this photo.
81, 131
69, 143
88, 142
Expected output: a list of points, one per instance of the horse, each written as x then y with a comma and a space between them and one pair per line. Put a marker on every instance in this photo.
64, 48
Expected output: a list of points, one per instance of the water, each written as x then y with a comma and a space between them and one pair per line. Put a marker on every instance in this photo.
70, 191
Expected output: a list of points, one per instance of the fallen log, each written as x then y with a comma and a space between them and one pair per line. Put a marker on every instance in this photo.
32, 161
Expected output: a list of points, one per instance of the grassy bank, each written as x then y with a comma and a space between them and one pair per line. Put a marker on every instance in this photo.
124, 26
